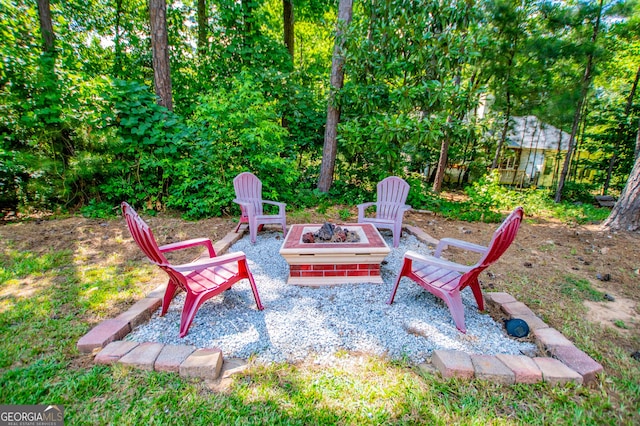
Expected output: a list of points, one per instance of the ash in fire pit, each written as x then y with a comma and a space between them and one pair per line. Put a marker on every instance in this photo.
330, 233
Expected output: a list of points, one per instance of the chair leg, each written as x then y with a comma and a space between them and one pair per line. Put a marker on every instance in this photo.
397, 231
254, 289
253, 230
191, 304
169, 293
477, 293
406, 268
454, 302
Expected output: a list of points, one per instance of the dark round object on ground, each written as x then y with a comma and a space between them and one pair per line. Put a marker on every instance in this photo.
517, 327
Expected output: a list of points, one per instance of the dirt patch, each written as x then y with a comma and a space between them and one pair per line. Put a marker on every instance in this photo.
620, 313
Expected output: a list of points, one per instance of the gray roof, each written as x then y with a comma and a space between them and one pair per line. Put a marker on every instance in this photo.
529, 132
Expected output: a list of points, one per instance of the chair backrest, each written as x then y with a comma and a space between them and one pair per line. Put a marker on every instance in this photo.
142, 235
249, 189
500, 242
391, 197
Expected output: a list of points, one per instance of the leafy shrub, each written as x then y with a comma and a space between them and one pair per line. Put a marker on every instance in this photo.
236, 130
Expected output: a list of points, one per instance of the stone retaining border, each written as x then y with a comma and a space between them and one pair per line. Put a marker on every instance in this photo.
564, 363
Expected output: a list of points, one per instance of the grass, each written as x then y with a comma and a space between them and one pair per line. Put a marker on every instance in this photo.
49, 300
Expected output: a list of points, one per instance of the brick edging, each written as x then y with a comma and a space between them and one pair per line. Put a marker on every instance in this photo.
565, 362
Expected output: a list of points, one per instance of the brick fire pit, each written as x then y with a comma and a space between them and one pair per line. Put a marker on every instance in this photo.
319, 264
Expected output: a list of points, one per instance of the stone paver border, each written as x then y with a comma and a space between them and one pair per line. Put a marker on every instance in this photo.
564, 362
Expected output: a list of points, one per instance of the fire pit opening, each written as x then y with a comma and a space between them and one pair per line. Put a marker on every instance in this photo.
331, 233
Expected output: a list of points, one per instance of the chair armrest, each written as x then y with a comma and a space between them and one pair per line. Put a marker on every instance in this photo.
201, 264
362, 208
189, 243
436, 261
465, 245
281, 206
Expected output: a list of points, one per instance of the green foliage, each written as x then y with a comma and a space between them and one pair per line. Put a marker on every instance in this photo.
237, 130
148, 142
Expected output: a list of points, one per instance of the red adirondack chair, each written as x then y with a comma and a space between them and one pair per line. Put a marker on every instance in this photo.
390, 206
249, 196
201, 279
446, 279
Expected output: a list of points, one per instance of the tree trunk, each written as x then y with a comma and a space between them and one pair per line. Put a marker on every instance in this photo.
636, 152
626, 213
584, 87
333, 110
507, 119
287, 19
202, 27
444, 150
117, 61
46, 26
442, 160
160, 47
619, 132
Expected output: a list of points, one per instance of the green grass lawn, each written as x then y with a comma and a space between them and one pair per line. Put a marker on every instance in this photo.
49, 299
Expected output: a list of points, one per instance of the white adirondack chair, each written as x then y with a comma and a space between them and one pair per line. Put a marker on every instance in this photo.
390, 206
249, 196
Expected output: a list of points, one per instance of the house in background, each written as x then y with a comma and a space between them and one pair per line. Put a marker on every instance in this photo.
533, 153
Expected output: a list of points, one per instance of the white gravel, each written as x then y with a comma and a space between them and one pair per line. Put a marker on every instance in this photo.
302, 323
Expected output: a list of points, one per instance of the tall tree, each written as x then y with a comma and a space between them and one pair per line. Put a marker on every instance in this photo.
202, 26
620, 130
289, 25
160, 47
46, 26
625, 215
584, 88
329, 151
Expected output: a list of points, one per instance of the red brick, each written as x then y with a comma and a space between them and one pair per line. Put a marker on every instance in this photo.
453, 364
534, 322
489, 367
311, 274
103, 334
324, 267
420, 234
525, 370
368, 266
357, 273
335, 273
142, 356
295, 273
295, 267
203, 363
140, 312
372, 272
578, 361
346, 267
114, 351
555, 372
499, 298
550, 337
157, 292
171, 356
515, 309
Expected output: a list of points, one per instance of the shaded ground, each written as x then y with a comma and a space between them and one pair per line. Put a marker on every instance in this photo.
548, 261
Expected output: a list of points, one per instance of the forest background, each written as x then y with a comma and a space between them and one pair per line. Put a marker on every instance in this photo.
85, 121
